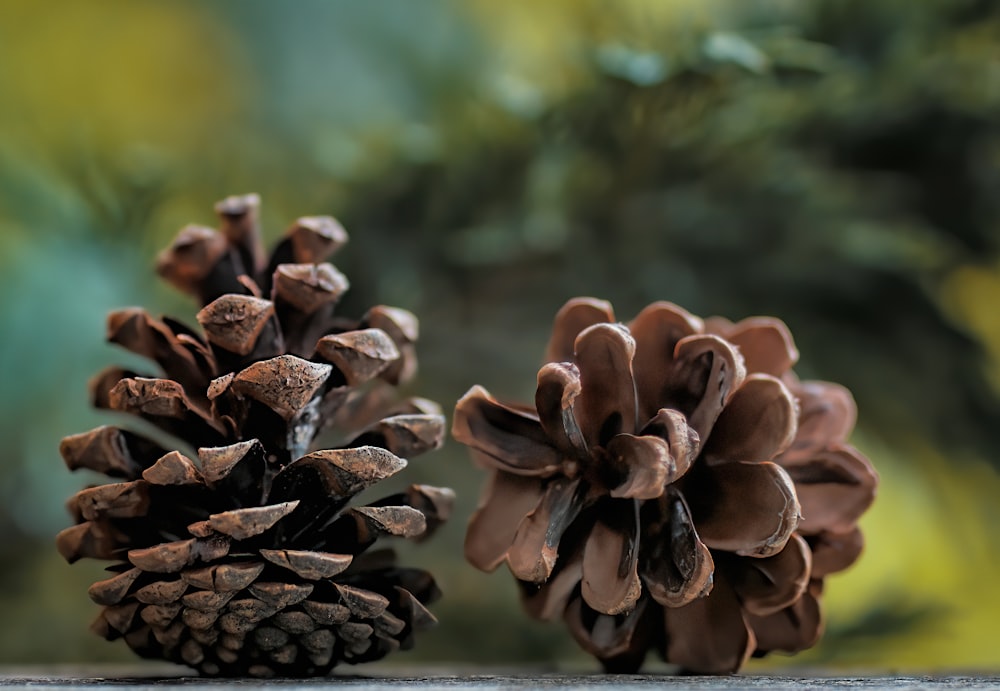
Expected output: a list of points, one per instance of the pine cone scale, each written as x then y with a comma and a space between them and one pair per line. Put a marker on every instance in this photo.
753, 508
202, 601
794, 628
606, 405
548, 600
827, 413
759, 421
236, 323
610, 583
111, 591
312, 566
657, 330
558, 388
509, 440
765, 344
241, 524
678, 566
709, 633
572, 320
836, 487
768, 585
532, 554
161, 592
107, 450
649, 468
173, 468
493, 527
705, 370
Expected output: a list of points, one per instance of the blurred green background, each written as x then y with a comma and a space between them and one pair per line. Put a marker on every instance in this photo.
835, 163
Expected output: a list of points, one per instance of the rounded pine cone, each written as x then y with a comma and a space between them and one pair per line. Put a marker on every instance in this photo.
235, 550
674, 487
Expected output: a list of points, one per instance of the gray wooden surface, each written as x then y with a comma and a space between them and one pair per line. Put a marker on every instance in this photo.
166, 678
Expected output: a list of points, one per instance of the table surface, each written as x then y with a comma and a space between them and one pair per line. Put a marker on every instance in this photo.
154, 677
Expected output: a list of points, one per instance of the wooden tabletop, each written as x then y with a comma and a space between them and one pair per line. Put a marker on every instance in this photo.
161, 678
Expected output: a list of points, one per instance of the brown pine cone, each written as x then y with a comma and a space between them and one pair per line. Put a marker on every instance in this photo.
673, 488
234, 547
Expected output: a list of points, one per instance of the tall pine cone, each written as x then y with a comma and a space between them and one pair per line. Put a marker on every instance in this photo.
234, 548
674, 487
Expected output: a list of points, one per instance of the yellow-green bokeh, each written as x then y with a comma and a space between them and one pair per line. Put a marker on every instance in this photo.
103, 102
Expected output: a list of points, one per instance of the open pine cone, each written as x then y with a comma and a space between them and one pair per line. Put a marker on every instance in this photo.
234, 548
674, 487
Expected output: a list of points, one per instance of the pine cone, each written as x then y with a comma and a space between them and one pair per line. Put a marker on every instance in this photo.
249, 559
673, 488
